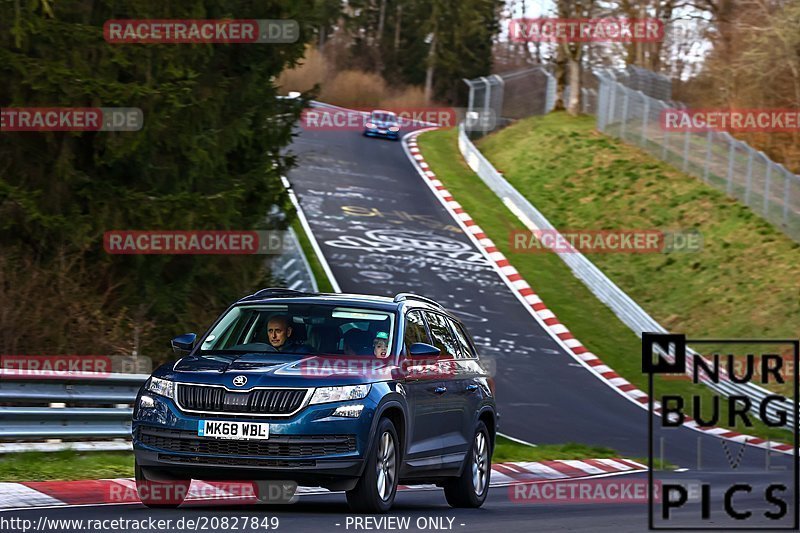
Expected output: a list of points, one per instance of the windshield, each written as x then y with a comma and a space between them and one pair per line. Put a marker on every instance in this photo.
384, 117
302, 329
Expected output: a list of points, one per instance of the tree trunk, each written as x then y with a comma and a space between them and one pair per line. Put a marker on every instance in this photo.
560, 74
430, 71
574, 106
397, 27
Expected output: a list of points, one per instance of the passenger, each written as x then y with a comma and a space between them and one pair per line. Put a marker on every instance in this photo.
356, 342
380, 345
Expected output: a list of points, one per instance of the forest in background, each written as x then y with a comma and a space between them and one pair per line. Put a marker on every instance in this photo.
214, 143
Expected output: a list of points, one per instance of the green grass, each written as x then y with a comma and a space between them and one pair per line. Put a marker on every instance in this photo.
507, 450
70, 465
537, 170
65, 465
323, 283
744, 283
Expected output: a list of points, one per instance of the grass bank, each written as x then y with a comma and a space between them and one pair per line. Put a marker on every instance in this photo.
323, 283
65, 465
538, 161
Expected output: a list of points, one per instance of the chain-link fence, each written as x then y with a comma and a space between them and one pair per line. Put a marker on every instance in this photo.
502, 98
629, 104
509, 96
715, 157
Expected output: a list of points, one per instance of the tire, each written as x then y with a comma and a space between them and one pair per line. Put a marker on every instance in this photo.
160, 494
382, 466
471, 487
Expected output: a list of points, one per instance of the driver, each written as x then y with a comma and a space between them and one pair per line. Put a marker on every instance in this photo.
380, 345
279, 332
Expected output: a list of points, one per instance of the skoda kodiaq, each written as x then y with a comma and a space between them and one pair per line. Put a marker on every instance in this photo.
347, 392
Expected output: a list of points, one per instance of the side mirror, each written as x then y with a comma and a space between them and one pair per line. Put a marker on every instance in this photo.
421, 350
183, 343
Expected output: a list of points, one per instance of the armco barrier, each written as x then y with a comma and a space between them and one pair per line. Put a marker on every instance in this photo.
27, 414
628, 311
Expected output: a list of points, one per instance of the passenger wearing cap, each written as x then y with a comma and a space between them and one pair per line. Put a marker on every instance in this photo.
381, 345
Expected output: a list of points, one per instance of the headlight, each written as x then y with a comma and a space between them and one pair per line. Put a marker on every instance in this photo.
394, 128
370, 125
340, 394
162, 387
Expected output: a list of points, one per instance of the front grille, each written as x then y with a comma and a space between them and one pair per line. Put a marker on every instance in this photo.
276, 446
234, 461
257, 401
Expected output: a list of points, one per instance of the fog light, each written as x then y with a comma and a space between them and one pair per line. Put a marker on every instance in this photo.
349, 411
146, 402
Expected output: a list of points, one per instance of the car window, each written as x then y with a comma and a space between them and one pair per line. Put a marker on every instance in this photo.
415, 329
307, 328
383, 117
467, 351
442, 337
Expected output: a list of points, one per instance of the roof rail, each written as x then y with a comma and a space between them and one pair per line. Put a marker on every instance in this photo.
280, 291
401, 296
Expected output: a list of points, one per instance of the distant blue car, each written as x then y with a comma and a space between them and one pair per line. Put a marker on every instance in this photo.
382, 124
349, 392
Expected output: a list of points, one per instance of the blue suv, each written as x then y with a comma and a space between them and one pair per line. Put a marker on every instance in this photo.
348, 392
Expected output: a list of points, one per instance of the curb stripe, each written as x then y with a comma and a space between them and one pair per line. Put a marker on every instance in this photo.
37, 494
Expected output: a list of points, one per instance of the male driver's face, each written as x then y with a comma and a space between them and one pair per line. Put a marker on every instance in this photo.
278, 332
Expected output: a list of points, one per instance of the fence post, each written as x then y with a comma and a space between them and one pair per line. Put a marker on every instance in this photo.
471, 98
612, 99
710, 144
787, 182
624, 114
645, 118
749, 179
486, 102
602, 98
731, 154
686, 139
501, 84
665, 146
550, 98
766, 183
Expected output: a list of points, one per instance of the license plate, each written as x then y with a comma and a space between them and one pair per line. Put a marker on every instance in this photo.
381, 131
233, 430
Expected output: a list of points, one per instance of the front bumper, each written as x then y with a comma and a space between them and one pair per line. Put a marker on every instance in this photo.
311, 447
375, 132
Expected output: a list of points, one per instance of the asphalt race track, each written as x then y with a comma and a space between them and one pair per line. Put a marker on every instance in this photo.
427, 511
383, 232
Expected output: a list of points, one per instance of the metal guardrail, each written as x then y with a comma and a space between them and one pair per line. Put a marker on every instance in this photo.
93, 410
628, 311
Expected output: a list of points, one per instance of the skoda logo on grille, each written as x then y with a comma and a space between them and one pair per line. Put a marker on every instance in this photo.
239, 381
